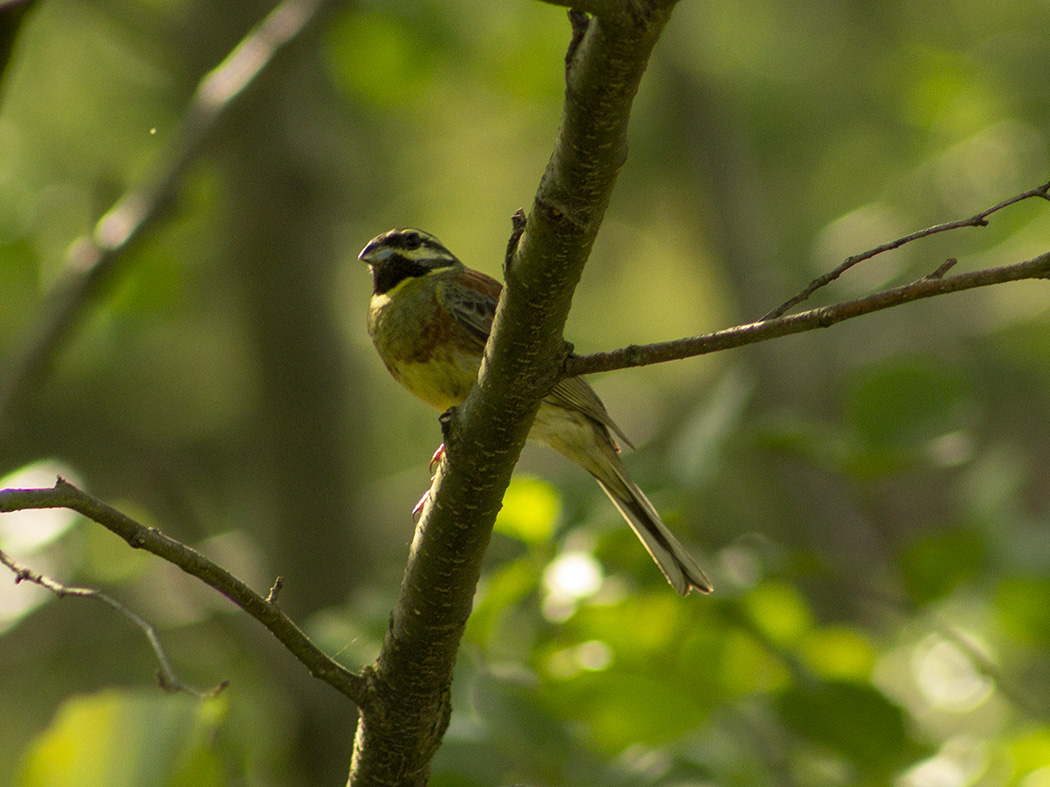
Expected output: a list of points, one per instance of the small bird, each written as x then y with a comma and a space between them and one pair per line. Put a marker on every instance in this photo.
429, 319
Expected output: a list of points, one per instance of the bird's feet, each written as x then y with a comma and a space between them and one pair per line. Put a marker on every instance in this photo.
436, 459
418, 510
439, 454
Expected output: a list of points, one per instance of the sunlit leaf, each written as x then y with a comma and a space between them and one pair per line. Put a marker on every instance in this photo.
32, 529
839, 652
531, 508
1023, 604
1030, 751
127, 739
639, 629
780, 611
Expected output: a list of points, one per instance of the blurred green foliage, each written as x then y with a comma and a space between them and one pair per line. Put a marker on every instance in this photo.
136, 739
871, 501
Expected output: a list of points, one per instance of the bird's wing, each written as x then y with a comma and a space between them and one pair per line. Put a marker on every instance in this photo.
573, 393
471, 299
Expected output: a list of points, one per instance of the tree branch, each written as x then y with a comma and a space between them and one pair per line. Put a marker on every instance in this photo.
978, 220
522, 362
138, 536
169, 681
92, 261
740, 335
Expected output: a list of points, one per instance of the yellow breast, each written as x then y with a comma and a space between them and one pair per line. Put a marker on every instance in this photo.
417, 341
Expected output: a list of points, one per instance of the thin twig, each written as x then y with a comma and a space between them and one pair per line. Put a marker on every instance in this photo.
138, 536
943, 269
169, 681
978, 220
92, 261
275, 589
740, 335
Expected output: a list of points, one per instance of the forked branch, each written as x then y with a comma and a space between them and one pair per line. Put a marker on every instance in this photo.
776, 324
169, 681
826, 316
977, 220
65, 495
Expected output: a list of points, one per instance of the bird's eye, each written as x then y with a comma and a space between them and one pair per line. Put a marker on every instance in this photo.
412, 241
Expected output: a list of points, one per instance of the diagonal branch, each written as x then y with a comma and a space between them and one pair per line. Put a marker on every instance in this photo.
169, 681
138, 536
523, 358
740, 335
94, 260
978, 220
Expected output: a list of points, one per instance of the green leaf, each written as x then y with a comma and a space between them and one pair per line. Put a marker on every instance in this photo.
127, 739
852, 720
904, 402
18, 282
497, 619
933, 565
1030, 751
780, 611
531, 508
379, 59
839, 652
748, 666
621, 708
1023, 604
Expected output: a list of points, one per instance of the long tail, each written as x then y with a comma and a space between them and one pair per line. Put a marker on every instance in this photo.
574, 423
674, 561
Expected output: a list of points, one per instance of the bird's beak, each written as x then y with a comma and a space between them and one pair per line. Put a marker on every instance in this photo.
374, 252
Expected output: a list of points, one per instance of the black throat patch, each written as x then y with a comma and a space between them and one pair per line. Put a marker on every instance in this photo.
394, 271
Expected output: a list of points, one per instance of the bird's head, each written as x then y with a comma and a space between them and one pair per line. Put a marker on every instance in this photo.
400, 254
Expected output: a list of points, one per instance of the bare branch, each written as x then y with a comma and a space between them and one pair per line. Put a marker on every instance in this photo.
774, 324
978, 220
138, 536
169, 681
92, 261
740, 335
